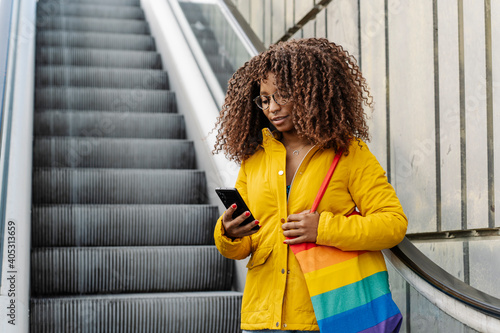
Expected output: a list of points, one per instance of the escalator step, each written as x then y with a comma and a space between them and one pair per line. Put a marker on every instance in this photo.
81, 152
123, 225
105, 99
95, 40
89, 24
91, 270
201, 312
118, 186
101, 78
51, 8
109, 124
108, 2
99, 58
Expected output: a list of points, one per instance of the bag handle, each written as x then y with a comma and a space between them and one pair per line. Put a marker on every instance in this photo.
328, 176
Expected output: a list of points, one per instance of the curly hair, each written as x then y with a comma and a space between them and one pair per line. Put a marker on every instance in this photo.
324, 84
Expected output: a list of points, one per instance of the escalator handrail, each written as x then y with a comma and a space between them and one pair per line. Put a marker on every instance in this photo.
440, 279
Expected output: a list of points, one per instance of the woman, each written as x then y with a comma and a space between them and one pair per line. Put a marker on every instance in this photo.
287, 112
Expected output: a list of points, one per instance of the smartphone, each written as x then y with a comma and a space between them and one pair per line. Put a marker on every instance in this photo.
230, 196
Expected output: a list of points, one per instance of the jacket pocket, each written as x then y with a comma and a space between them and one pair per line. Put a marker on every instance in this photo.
259, 257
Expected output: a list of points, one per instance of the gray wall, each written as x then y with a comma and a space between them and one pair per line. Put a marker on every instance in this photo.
433, 67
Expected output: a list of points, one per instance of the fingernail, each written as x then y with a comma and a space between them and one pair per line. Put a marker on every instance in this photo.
284, 242
233, 206
256, 222
247, 213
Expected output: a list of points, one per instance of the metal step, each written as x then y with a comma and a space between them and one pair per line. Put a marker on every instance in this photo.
99, 77
89, 152
105, 99
108, 2
89, 24
118, 186
89, 9
123, 225
200, 312
109, 219
67, 56
109, 124
95, 40
102, 270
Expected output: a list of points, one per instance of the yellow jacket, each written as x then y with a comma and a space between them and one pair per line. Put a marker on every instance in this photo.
276, 295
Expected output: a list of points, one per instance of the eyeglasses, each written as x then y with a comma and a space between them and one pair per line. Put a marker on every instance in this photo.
264, 101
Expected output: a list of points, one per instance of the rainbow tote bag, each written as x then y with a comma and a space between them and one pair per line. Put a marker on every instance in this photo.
359, 298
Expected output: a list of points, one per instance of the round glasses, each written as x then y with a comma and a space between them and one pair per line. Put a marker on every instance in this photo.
264, 101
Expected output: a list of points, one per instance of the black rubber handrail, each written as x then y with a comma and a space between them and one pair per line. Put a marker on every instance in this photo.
444, 281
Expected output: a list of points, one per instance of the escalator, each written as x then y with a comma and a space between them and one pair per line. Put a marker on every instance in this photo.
121, 229
116, 184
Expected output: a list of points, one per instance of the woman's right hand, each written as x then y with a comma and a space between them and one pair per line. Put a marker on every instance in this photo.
233, 227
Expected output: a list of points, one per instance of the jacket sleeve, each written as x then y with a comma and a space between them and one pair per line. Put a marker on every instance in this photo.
382, 223
238, 248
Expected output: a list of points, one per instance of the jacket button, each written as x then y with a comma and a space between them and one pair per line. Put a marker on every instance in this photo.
280, 172
278, 324
283, 271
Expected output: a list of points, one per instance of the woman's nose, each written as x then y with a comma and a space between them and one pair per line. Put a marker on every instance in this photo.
273, 106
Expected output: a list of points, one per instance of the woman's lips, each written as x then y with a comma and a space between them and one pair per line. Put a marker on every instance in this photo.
278, 120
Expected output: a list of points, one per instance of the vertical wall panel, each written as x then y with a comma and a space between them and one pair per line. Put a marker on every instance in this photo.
475, 114
302, 7
447, 255
343, 24
309, 30
267, 13
449, 106
257, 18
289, 13
495, 49
277, 20
244, 8
411, 57
485, 266
321, 24
373, 68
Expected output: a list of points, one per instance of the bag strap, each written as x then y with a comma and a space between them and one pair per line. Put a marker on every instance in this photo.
328, 176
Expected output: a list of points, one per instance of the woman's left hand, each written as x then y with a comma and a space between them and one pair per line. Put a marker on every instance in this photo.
301, 228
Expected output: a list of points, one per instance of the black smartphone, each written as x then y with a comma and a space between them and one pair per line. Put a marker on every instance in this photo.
230, 196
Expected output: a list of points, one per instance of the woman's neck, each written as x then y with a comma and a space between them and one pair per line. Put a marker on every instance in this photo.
291, 140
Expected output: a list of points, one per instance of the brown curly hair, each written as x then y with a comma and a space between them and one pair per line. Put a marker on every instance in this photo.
321, 79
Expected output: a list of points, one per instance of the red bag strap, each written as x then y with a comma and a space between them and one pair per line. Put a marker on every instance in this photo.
328, 176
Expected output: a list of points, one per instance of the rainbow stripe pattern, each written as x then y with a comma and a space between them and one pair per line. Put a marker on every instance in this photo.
349, 290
